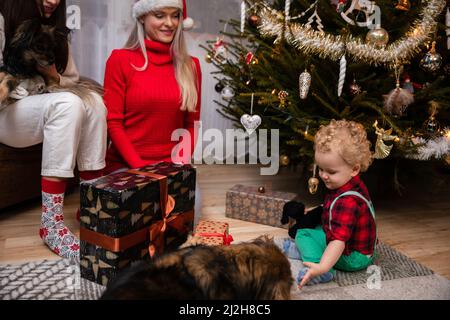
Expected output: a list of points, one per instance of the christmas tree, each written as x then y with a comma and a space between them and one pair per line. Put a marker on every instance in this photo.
384, 64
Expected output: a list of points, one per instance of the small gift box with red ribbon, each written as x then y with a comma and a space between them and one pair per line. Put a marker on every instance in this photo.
212, 233
134, 215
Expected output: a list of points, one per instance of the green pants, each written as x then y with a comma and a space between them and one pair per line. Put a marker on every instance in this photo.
312, 244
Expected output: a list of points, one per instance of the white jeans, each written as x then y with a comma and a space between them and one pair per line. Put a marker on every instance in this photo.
69, 129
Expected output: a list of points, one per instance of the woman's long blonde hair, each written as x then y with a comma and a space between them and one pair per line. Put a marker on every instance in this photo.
185, 69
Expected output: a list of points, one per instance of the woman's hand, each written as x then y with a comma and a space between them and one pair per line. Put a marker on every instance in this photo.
49, 73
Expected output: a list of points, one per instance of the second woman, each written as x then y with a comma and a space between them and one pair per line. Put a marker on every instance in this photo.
152, 88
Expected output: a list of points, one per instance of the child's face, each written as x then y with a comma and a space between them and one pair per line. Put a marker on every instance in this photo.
333, 170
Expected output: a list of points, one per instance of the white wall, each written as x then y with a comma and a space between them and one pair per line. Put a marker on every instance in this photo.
105, 25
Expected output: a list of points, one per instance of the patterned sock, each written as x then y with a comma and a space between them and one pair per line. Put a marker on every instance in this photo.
53, 231
323, 278
88, 175
290, 249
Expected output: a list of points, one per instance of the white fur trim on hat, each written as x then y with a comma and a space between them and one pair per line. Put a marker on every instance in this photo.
188, 23
143, 7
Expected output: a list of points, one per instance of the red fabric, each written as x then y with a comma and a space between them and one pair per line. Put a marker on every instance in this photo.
89, 175
53, 187
144, 107
351, 221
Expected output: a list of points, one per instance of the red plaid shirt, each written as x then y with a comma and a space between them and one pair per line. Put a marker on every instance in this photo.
351, 221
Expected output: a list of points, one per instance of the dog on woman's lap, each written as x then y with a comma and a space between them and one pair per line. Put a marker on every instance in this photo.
34, 45
255, 270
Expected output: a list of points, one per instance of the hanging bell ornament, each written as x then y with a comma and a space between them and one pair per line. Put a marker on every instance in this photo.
313, 182
313, 185
227, 93
304, 82
377, 37
403, 5
354, 88
254, 21
432, 60
219, 87
284, 160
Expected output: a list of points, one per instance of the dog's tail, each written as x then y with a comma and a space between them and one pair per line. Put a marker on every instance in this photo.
83, 89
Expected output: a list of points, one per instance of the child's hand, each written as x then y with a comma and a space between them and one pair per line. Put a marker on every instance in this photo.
315, 270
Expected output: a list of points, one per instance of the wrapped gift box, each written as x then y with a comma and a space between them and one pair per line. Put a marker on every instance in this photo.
248, 204
133, 215
212, 233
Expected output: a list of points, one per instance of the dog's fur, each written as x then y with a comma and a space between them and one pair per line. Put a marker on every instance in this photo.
256, 270
34, 44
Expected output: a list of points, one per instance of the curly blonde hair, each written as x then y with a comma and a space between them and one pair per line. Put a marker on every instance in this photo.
348, 139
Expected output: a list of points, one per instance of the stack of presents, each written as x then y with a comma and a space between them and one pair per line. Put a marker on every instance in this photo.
140, 214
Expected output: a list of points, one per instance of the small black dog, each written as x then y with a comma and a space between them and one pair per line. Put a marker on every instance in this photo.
296, 210
256, 270
34, 44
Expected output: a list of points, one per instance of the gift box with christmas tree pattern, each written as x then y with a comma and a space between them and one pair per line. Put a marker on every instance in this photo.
133, 215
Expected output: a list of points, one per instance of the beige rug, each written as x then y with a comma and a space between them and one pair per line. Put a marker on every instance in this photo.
393, 276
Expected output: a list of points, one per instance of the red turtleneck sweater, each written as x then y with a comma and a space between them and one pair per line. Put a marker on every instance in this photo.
144, 107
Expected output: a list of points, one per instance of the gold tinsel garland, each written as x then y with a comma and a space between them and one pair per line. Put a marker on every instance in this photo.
313, 42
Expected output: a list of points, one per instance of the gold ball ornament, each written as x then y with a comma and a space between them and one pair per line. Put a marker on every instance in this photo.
208, 58
284, 160
377, 37
261, 189
313, 185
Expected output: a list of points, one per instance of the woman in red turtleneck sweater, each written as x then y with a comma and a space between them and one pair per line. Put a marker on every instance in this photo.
152, 88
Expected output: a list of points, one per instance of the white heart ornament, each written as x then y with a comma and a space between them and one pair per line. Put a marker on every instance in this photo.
250, 123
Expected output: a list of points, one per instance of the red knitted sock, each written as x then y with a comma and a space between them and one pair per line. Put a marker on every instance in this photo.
89, 175
53, 231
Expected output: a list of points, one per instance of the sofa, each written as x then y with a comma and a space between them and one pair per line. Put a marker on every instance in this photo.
20, 172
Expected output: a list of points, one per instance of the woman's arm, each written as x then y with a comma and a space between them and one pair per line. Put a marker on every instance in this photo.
69, 77
192, 117
114, 97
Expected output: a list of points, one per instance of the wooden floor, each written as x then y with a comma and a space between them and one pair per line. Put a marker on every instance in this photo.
418, 229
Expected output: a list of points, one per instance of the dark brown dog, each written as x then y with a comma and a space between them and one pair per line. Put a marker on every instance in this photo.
34, 44
256, 270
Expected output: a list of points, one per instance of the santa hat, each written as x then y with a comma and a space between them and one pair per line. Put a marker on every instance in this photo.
143, 7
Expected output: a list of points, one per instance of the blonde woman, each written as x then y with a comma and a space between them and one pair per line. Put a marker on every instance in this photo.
152, 88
